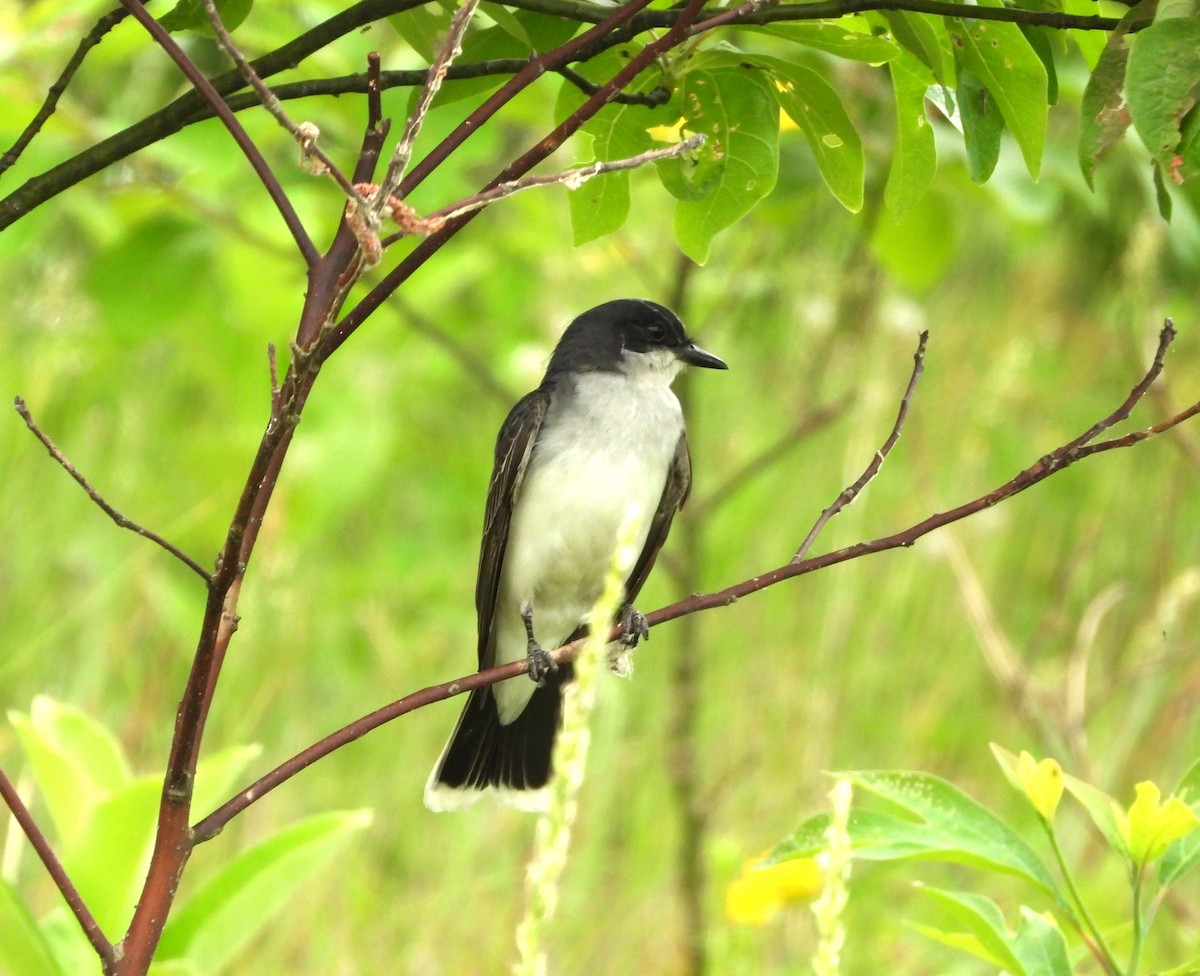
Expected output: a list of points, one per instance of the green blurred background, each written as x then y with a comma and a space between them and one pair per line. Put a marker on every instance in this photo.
137, 310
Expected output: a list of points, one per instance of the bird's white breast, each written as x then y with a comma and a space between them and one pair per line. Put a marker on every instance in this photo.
573, 503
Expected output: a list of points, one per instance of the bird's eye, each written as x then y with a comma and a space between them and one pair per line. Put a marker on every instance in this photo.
656, 331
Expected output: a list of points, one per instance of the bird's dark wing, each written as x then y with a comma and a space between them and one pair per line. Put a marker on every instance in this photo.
675, 493
514, 446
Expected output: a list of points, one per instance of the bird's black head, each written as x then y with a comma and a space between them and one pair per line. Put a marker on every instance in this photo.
599, 338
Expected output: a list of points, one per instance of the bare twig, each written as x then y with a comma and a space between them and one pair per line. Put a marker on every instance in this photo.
850, 493
572, 179
305, 133
234, 127
651, 99
54, 868
1045, 467
94, 495
55, 92
451, 49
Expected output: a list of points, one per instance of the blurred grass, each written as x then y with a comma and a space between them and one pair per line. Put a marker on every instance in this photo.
137, 333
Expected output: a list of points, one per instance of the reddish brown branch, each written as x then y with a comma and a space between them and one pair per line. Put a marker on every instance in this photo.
95, 496
1046, 466
54, 868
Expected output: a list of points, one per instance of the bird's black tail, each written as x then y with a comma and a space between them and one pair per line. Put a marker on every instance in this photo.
513, 759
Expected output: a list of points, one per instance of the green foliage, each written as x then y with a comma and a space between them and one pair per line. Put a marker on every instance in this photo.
105, 831
949, 825
190, 15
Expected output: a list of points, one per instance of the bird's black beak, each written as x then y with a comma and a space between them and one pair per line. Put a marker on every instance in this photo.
693, 355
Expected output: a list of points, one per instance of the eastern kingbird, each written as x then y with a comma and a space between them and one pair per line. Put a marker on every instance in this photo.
602, 433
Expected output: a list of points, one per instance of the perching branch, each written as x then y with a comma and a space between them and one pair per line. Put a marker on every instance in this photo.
94, 495
1049, 464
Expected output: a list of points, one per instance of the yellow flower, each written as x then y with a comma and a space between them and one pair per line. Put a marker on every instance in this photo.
759, 893
1150, 825
1042, 783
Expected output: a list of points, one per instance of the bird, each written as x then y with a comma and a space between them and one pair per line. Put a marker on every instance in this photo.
602, 433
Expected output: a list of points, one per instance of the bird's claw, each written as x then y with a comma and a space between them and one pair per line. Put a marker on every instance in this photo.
540, 662
633, 621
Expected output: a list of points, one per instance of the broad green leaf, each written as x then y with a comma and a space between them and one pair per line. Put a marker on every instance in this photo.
23, 950
834, 38
191, 15
1184, 854
1041, 40
1040, 946
1089, 42
1000, 57
216, 776
1162, 84
601, 205
982, 126
423, 27
957, 826
1103, 810
920, 34
74, 759
815, 106
984, 922
508, 22
1103, 112
915, 158
212, 926
72, 951
737, 111
962, 941
107, 860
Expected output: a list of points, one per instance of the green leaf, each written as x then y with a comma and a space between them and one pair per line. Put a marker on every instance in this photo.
108, 859
920, 34
1162, 84
1103, 112
423, 28
1040, 946
191, 15
74, 759
835, 38
1036, 949
984, 922
601, 205
508, 22
1103, 810
1000, 56
23, 950
916, 157
242, 898
982, 126
1040, 39
738, 113
1183, 855
1089, 42
950, 827
815, 106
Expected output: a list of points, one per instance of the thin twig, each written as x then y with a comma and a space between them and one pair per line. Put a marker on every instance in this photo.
57, 872
94, 495
1042, 469
55, 92
305, 133
572, 179
451, 49
234, 127
652, 99
850, 493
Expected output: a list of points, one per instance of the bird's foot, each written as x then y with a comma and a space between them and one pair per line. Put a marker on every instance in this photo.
540, 661
634, 623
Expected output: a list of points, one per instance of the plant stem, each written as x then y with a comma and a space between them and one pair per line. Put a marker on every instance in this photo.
1084, 923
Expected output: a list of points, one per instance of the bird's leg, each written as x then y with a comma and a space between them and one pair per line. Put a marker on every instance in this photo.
633, 622
540, 661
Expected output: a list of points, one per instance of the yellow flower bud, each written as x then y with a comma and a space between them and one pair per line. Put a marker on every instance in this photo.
1042, 783
759, 893
1150, 825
